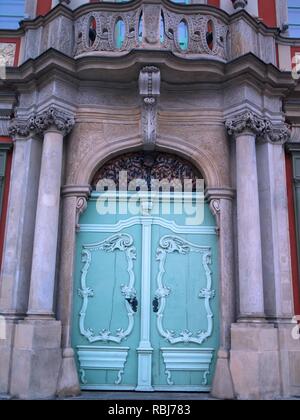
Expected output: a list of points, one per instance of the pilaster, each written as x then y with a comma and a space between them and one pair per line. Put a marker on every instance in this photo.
37, 341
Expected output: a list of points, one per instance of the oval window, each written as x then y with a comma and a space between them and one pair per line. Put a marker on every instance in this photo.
119, 33
141, 23
210, 35
92, 31
183, 35
162, 28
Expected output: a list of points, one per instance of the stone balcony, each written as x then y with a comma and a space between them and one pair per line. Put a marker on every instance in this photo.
109, 30
145, 26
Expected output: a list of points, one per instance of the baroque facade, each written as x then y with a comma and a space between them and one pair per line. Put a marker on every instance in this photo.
207, 89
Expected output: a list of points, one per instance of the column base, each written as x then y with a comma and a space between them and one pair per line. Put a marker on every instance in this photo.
7, 332
254, 361
68, 382
222, 387
252, 319
40, 316
36, 359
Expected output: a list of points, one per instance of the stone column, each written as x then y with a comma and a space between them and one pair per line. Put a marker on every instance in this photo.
278, 295
37, 340
221, 207
245, 129
17, 253
18, 243
46, 227
54, 125
74, 204
255, 347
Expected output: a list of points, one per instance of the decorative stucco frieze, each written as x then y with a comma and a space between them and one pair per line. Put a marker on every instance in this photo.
149, 85
263, 128
7, 53
40, 123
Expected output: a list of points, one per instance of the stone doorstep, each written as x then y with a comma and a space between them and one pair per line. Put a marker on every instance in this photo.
128, 396
149, 396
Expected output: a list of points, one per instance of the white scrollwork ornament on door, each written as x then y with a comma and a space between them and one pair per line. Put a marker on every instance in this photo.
168, 245
119, 242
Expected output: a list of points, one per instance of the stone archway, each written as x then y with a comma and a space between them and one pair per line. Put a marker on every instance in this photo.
74, 203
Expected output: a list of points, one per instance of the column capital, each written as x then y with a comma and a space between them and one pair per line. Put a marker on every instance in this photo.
76, 191
38, 124
262, 128
20, 129
246, 121
56, 119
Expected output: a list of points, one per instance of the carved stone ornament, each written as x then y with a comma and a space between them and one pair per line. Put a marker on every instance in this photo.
147, 166
147, 27
40, 123
7, 53
239, 4
149, 85
279, 134
215, 208
247, 121
261, 127
81, 206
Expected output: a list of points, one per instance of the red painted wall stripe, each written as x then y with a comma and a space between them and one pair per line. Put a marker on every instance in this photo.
16, 41
5, 196
43, 7
267, 12
215, 3
293, 236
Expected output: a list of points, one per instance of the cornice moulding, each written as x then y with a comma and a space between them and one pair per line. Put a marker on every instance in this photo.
293, 147
61, 10
124, 68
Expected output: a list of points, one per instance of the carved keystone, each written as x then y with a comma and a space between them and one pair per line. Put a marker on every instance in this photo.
149, 85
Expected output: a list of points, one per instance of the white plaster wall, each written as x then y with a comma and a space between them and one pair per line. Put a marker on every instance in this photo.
285, 61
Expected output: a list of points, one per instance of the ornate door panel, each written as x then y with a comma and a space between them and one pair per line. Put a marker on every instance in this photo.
146, 300
184, 323
107, 294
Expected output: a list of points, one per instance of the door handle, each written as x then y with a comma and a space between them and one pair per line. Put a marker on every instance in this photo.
133, 302
155, 304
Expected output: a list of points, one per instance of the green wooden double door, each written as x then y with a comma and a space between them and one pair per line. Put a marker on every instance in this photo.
145, 300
